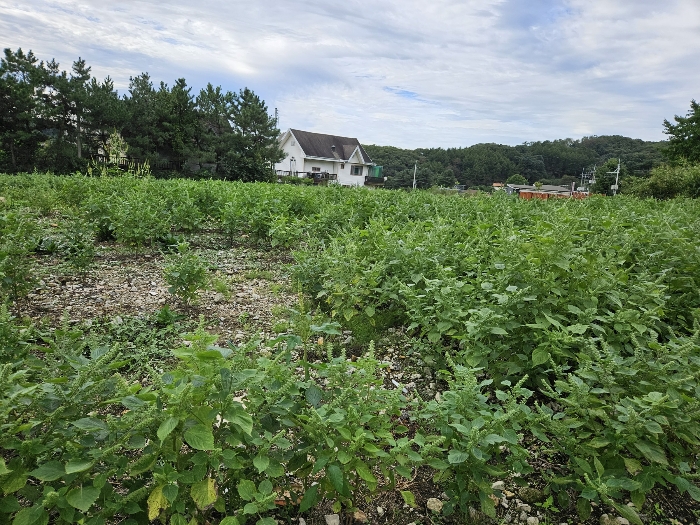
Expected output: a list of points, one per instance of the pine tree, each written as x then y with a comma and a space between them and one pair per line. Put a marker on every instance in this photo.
254, 141
684, 136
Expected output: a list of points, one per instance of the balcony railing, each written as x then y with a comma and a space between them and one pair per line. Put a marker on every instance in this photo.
319, 177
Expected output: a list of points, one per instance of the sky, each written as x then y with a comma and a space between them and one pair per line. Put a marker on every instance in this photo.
405, 73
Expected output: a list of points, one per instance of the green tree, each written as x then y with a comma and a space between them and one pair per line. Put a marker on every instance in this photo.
254, 140
141, 112
214, 133
684, 136
21, 78
516, 179
107, 114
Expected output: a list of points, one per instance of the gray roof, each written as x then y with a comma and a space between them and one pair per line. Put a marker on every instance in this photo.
545, 187
319, 145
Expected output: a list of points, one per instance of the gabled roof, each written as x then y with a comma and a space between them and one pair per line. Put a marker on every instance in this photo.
320, 145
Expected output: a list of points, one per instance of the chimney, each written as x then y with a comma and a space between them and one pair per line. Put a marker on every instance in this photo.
333, 148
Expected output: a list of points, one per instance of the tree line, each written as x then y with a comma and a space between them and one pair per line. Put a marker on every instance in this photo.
549, 162
60, 121
662, 169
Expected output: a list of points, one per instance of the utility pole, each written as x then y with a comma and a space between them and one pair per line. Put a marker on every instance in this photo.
415, 167
615, 186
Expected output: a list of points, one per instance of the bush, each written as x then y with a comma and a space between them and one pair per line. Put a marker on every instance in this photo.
186, 273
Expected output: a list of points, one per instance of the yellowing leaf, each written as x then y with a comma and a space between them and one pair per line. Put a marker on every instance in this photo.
203, 493
156, 502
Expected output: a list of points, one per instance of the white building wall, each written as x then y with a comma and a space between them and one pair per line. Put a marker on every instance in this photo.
345, 177
291, 150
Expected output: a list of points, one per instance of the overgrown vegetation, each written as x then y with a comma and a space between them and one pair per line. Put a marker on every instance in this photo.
569, 327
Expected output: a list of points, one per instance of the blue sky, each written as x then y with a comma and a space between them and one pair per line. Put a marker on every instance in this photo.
406, 73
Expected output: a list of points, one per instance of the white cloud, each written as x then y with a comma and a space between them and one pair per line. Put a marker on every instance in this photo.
407, 73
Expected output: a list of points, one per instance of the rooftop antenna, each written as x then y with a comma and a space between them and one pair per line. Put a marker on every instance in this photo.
277, 118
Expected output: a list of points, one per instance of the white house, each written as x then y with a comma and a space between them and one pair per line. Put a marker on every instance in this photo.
327, 158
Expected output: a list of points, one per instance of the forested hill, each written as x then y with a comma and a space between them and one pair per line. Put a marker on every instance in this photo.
558, 161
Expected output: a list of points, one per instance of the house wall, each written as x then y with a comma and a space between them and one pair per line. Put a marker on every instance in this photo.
344, 176
325, 165
291, 149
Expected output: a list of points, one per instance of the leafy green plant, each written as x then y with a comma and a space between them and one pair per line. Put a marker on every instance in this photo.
78, 244
476, 439
186, 273
19, 236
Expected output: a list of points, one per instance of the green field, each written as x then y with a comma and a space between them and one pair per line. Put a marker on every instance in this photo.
549, 345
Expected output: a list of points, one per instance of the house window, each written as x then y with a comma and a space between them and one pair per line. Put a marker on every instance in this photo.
294, 143
342, 166
315, 169
356, 170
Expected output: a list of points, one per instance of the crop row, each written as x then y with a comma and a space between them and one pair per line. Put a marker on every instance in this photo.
572, 326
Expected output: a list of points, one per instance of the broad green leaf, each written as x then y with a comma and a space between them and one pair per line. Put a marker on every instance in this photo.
9, 505
438, 464
82, 498
409, 498
250, 508
75, 466
199, 437
4, 470
632, 465
156, 502
628, 513
456, 457
335, 475
310, 498
246, 490
314, 395
598, 467
344, 457
203, 493
166, 427
229, 520
364, 472
694, 492
370, 311
265, 487
497, 330
577, 328
50, 471
35, 515
651, 452
488, 506
266, 521
653, 427
598, 442
583, 506
90, 423
540, 356
404, 471
239, 417
261, 463
170, 492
